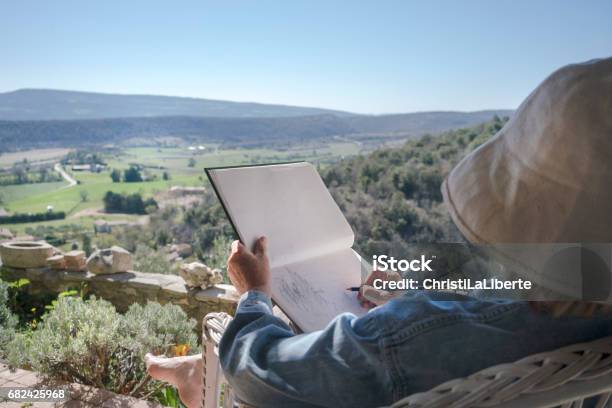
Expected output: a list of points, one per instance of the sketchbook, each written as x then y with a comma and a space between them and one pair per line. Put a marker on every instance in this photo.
309, 239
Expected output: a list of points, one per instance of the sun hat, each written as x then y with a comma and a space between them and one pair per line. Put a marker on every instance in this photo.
546, 177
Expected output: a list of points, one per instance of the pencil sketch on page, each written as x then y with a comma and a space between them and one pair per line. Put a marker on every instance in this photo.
299, 290
314, 292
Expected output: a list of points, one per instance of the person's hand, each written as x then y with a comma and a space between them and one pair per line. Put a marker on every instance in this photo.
370, 297
250, 270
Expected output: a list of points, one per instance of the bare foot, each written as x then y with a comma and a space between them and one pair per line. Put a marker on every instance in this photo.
185, 373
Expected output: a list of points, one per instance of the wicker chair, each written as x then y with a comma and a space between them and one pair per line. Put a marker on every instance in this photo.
562, 378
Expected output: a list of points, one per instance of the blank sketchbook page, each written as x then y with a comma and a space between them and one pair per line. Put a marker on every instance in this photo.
289, 204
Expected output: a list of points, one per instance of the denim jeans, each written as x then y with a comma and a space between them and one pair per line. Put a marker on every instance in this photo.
411, 344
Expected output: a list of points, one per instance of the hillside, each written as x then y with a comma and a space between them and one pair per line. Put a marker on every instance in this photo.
45, 104
392, 197
419, 123
35, 118
244, 132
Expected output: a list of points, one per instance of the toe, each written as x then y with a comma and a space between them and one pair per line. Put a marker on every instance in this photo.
161, 368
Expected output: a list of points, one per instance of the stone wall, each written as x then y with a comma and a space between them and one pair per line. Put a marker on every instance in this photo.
123, 289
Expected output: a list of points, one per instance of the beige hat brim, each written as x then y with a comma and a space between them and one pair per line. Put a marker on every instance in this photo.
546, 177
493, 197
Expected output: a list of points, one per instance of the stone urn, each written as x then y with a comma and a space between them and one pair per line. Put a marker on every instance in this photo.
25, 254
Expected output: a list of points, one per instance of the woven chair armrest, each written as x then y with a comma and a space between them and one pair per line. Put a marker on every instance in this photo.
213, 327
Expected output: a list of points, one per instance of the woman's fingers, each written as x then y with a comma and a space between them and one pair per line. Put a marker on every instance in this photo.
261, 246
376, 296
370, 297
382, 275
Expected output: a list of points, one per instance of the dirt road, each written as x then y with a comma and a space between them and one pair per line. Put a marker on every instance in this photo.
71, 181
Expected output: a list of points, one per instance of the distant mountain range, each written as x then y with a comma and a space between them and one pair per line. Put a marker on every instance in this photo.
48, 118
45, 104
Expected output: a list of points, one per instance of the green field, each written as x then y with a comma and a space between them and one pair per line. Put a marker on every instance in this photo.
24, 191
96, 185
37, 197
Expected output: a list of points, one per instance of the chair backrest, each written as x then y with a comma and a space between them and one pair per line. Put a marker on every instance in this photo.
562, 378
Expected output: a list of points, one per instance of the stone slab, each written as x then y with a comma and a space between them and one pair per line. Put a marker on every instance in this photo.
75, 261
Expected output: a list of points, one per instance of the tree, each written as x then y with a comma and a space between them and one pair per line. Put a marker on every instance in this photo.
43, 174
20, 174
134, 204
192, 162
162, 237
132, 175
406, 180
115, 176
113, 202
428, 158
84, 195
165, 175
87, 244
128, 204
150, 205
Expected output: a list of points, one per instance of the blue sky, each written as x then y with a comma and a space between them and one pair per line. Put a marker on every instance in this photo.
361, 56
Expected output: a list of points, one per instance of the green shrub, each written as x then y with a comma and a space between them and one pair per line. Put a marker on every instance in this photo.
150, 260
156, 328
18, 218
87, 341
128, 203
8, 321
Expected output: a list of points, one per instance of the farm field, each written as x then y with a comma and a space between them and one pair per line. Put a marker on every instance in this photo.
177, 158
85, 222
18, 192
184, 166
38, 155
